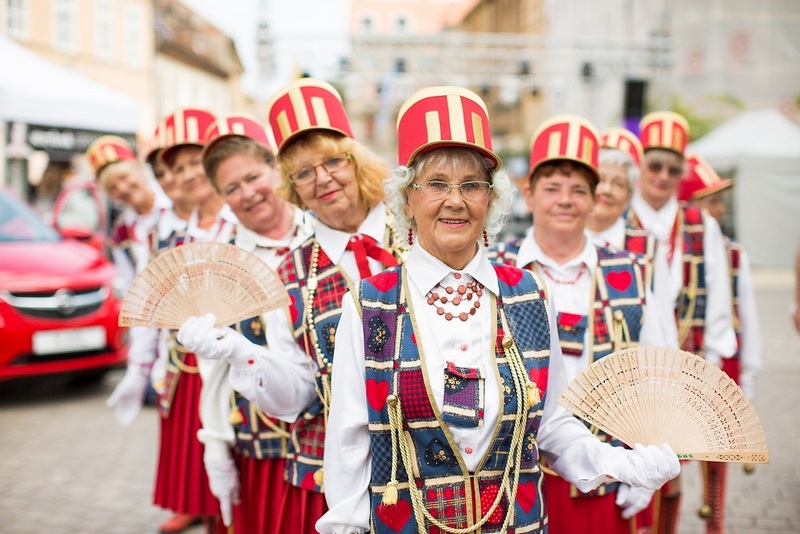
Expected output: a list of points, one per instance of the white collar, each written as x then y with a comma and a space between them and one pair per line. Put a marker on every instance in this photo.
530, 251
302, 227
425, 270
610, 235
334, 242
169, 223
656, 221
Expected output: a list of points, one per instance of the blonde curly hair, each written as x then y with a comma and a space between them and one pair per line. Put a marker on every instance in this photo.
396, 186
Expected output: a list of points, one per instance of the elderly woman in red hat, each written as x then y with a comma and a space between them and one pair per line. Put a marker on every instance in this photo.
326, 171
603, 302
240, 440
702, 187
448, 369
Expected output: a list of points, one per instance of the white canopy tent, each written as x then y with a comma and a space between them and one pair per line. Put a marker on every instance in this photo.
36, 91
760, 150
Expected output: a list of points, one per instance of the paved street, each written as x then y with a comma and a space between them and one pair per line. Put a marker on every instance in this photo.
67, 467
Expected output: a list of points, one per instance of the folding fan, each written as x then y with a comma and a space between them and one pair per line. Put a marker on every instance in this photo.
201, 278
657, 395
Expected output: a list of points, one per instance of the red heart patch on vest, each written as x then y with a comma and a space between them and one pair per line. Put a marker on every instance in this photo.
383, 282
395, 516
308, 482
526, 495
510, 275
293, 308
619, 280
377, 391
488, 495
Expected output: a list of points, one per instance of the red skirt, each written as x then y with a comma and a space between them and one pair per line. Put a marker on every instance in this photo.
262, 488
300, 510
586, 515
181, 481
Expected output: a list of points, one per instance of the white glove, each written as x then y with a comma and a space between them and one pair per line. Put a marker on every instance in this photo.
223, 479
645, 467
633, 500
198, 335
128, 397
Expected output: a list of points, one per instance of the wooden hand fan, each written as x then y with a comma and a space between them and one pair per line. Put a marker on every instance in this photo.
657, 395
201, 278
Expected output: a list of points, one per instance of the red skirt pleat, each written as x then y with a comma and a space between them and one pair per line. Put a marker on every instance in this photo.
731, 366
300, 509
262, 489
181, 481
587, 515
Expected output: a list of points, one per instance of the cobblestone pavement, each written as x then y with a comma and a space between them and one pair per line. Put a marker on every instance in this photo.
67, 467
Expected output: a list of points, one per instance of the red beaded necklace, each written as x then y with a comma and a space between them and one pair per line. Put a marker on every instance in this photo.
559, 281
463, 292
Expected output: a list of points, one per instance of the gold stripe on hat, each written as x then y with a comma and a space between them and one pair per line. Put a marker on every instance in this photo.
109, 153
586, 154
455, 114
237, 128
433, 126
179, 127
192, 129
667, 135
283, 124
705, 174
573, 140
624, 144
299, 107
654, 136
320, 111
554, 145
477, 129
677, 143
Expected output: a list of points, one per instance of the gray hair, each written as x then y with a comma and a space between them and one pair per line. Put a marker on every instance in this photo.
396, 186
613, 156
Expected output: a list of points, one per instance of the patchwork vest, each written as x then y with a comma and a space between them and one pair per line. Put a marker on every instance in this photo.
121, 238
400, 404
643, 243
257, 435
307, 440
690, 312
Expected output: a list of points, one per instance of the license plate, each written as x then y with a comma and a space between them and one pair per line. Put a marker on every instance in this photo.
69, 340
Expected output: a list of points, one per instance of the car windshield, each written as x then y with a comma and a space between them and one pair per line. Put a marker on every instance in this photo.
18, 222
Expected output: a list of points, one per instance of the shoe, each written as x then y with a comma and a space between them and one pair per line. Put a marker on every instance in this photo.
179, 523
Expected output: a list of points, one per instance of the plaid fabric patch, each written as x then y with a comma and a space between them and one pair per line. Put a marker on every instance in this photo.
571, 332
414, 395
463, 402
448, 504
310, 433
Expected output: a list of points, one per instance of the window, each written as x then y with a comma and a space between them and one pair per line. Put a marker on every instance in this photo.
134, 35
66, 25
366, 24
17, 18
401, 24
104, 29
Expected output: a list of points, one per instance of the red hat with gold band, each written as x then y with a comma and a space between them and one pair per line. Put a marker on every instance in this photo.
568, 137
623, 140
236, 125
186, 126
306, 104
157, 142
444, 116
108, 149
664, 129
700, 180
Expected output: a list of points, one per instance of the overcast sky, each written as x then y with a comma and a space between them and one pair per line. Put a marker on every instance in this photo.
309, 35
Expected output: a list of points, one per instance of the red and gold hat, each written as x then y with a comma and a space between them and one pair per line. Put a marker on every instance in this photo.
108, 149
700, 180
664, 129
157, 142
624, 140
439, 117
306, 104
187, 126
567, 137
234, 125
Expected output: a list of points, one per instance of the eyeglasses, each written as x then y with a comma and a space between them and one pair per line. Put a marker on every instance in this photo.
471, 191
657, 166
306, 175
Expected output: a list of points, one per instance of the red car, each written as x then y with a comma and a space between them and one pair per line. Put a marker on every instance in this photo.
58, 304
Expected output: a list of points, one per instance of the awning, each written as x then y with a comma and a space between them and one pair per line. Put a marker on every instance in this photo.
36, 91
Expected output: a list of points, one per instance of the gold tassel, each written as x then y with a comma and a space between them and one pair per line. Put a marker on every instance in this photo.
533, 394
390, 495
235, 417
318, 477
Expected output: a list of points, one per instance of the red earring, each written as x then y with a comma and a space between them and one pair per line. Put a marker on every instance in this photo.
485, 239
410, 237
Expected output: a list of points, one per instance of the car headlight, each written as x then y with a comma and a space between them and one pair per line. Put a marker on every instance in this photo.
119, 287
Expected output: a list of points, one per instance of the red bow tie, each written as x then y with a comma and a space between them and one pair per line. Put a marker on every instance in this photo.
363, 247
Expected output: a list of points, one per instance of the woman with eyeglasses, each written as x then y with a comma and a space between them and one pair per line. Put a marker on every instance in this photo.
447, 368
327, 172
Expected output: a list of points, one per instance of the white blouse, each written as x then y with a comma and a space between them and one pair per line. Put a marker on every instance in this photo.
571, 449
719, 337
